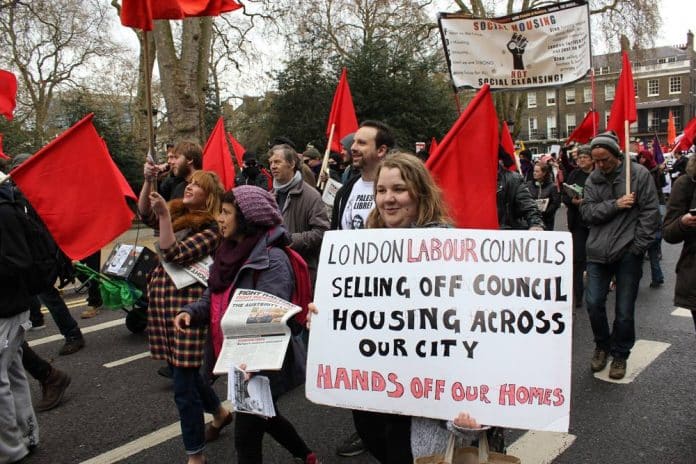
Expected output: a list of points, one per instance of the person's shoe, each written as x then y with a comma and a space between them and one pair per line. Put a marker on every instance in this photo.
52, 390
599, 360
72, 345
166, 371
617, 370
90, 312
351, 446
656, 283
212, 432
37, 325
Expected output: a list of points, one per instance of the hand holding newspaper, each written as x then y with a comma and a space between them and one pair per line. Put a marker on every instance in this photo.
573, 191
183, 276
250, 396
256, 331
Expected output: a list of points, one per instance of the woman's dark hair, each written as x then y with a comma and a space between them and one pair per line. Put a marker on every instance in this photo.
244, 227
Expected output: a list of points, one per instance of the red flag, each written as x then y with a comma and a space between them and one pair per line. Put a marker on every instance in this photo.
77, 190
671, 130
217, 156
466, 164
624, 106
508, 146
2, 153
238, 149
586, 130
8, 94
688, 138
342, 114
140, 13
433, 146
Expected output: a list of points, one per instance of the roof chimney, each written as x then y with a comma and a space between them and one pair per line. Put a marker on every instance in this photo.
689, 40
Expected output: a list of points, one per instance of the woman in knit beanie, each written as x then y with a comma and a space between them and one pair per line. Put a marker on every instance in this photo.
251, 256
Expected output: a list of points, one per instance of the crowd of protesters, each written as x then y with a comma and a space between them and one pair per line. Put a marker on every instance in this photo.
248, 230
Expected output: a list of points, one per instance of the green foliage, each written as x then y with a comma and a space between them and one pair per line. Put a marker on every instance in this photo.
112, 120
16, 139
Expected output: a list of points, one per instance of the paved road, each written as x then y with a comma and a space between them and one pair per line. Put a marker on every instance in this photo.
129, 408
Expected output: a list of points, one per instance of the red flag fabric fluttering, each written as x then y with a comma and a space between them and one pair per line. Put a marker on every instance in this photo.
77, 190
2, 153
465, 165
508, 146
238, 150
688, 138
624, 106
671, 130
586, 130
217, 156
342, 114
139, 14
8, 94
433, 146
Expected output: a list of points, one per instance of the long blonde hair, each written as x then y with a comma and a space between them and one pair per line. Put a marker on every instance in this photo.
211, 185
420, 186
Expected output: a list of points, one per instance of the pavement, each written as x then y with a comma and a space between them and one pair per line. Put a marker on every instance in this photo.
118, 409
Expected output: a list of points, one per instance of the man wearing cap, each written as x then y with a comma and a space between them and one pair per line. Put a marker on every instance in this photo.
313, 159
622, 226
304, 213
253, 173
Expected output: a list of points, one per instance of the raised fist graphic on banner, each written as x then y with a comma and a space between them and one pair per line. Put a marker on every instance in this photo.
516, 46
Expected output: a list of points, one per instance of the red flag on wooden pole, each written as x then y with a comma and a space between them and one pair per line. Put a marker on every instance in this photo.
77, 190
623, 110
586, 130
687, 138
342, 115
465, 165
140, 13
238, 149
433, 146
508, 147
8, 94
217, 156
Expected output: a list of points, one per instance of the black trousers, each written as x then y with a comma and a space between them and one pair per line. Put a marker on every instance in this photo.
36, 366
250, 429
386, 436
580, 235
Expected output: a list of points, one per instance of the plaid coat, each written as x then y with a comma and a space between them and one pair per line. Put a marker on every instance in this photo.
165, 301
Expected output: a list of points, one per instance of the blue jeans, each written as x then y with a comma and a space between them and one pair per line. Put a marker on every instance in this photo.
192, 396
628, 271
654, 255
61, 315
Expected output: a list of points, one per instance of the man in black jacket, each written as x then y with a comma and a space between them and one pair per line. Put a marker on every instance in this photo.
516, 207
18, 427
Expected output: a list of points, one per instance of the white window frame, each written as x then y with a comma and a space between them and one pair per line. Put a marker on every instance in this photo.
571, 123
675, 84
551, 126
550, 98
533, 127
587, 95
570, 96
653, 87
531, 100
609, 92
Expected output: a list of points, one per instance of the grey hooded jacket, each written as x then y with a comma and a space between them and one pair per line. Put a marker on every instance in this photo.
614, 231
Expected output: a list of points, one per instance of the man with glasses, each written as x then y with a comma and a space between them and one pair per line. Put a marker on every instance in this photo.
622, 226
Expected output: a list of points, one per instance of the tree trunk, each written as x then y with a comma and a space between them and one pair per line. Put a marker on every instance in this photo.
140, 117
184, 77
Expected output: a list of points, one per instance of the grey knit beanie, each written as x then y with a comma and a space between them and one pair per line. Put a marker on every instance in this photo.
257, 205
584, 150
19, 159
609, 141
347, 141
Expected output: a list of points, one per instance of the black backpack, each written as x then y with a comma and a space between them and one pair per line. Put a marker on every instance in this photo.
49, 263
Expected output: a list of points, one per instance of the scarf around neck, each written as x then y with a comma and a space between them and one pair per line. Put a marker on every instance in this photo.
283, 188
229, 260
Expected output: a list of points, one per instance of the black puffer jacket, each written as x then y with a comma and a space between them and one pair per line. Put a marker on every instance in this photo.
542, 192
683, 198
516, 207
15, 257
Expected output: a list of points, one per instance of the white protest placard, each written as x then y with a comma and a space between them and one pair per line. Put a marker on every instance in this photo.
430, 322
543, 47
329, 195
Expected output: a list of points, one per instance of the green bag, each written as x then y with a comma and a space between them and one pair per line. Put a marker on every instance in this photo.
115, 293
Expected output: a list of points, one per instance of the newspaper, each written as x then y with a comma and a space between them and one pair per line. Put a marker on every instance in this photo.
255, 330
183, 276
329, 195
573, 191
252, 396
542, 203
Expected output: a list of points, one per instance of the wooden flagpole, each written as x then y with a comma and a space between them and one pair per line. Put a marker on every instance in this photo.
627, 158
325, 162
148, 103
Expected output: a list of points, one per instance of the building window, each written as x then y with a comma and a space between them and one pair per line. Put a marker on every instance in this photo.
587, 95
531, 100
653, 121
570, 123
606, 117
675, 84
570, 96
635, 89
653, 87
533, 128
609, 92
550, 97
551, 129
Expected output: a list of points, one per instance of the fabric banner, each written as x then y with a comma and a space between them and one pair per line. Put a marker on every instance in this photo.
537, 48
431, 322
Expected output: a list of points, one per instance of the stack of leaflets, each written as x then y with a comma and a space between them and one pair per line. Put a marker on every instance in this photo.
250, 395
573, 191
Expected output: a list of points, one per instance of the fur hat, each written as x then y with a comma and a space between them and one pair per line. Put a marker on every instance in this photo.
257, 205
609, 141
